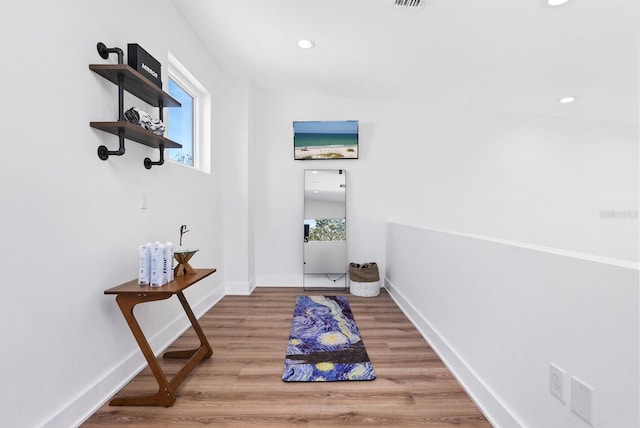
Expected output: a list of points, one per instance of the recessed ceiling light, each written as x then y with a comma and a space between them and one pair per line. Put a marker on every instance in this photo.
566, 100
306, 44
555, 2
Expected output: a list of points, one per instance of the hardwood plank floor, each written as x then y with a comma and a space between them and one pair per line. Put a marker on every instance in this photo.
240, 385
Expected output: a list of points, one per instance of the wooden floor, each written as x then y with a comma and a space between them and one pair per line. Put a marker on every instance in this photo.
240, 385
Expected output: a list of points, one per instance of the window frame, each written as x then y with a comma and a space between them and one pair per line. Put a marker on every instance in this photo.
177, 72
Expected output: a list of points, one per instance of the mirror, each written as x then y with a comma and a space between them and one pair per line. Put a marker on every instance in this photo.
325, 229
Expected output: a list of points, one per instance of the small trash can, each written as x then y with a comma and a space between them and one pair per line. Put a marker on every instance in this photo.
364, 279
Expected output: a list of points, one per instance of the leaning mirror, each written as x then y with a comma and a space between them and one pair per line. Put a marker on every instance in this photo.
325, 229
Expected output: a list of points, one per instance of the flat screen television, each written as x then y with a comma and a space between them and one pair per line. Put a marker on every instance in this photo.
328, 139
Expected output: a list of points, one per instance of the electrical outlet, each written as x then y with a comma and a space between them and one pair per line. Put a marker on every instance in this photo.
556, 382
582, 400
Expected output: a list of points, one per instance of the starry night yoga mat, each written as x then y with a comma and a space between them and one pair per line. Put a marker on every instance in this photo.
325, 344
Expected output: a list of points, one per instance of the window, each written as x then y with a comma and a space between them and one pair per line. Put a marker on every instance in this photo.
181, 124
189, 125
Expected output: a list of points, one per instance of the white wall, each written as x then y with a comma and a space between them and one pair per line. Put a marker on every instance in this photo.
237, 201
539, 180
499, 313
71, 222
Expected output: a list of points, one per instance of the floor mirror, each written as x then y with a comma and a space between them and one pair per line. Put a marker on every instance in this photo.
325, 229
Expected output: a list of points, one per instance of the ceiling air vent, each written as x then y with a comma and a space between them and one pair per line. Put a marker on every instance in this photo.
408, 3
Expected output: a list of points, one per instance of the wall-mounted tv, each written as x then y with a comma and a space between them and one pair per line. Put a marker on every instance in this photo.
328, 139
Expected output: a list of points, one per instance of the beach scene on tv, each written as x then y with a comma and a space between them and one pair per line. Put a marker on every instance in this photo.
325, 140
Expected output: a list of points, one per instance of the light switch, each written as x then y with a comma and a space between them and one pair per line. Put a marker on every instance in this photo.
582, 400
144, 203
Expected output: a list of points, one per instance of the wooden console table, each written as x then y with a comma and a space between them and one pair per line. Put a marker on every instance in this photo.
129, 295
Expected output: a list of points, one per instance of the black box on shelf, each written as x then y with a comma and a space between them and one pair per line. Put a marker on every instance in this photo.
144, 63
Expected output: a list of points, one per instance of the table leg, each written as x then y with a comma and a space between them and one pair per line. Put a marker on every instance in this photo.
195, 355
165, 396
204, 343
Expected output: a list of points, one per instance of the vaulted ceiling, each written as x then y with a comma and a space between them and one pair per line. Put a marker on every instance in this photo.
496, 55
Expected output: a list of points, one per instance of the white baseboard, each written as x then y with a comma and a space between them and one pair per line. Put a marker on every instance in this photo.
279, 280
495, 411
75, 413
240, 288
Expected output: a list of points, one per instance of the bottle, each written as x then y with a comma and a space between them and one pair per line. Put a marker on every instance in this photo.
144, 264
157, 265
168, 261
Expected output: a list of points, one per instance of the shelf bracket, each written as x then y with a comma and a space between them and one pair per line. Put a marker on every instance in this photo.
104, 52
104, 152
148, 163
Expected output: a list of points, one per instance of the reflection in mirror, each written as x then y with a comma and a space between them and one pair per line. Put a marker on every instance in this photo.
325, 229
325, 239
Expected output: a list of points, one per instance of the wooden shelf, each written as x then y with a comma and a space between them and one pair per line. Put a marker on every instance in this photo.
136, 84
127, 79
136, 133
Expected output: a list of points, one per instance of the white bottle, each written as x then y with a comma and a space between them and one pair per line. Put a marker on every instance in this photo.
157, 265
168, 261
144, 264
